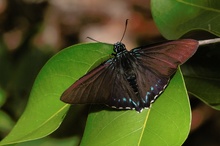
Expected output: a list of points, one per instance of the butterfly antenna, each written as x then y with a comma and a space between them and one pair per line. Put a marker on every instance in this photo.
93, 39
126, 24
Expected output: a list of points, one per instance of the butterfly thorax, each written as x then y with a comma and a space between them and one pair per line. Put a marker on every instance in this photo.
123, 57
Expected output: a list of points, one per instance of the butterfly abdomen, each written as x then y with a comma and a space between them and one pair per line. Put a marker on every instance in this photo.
131, 78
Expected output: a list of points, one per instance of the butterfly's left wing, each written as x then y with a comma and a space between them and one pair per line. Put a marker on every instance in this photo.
157, 63
105, 84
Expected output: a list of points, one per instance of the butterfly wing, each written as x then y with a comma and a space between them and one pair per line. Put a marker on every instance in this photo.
88, 88
157, 63
104, 84
164, 58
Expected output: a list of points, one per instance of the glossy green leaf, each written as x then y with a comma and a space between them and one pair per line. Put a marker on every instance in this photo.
47, 141
174, 18
206, 89
166, 123
202, 77
45, 111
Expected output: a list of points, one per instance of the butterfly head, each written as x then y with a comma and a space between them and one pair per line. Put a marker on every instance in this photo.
119, 47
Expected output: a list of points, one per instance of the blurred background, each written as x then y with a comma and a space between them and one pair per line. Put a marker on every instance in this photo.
32, 31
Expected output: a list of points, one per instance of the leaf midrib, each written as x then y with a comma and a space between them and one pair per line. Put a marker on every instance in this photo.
144, 125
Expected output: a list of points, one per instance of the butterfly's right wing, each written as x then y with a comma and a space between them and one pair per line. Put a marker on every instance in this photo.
164, 58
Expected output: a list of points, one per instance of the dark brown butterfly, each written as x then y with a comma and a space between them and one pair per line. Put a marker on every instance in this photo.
131, 79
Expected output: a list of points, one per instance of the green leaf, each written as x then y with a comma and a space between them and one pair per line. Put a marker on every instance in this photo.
202, 77
45, 111
206, 89
174, 18
47, 141
166, 123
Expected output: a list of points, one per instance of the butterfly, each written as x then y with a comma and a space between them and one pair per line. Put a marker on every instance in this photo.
131, 79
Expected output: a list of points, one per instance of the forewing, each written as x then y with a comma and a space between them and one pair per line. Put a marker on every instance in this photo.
91, 88
163, 59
